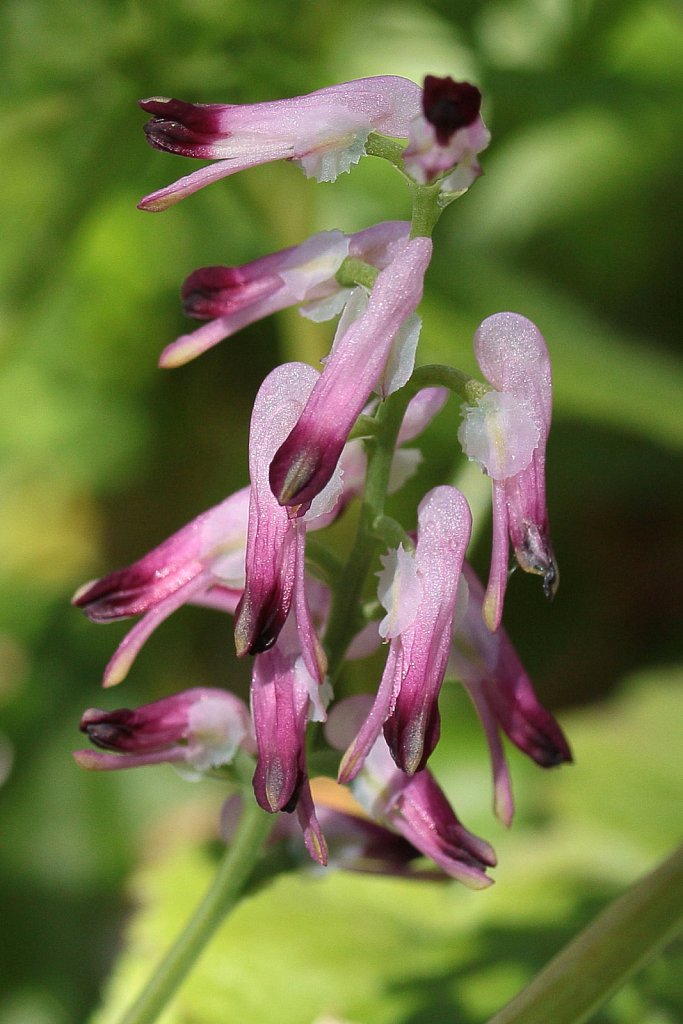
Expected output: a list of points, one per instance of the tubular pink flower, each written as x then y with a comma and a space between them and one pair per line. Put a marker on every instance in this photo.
488, 666
203, 563
274, 568
447, 134
406, 705
413, 806
306, 460
507, 433
324, 131
232, 297
201, 728
284, 697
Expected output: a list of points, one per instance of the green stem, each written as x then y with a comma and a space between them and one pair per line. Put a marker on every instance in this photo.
460, 383
597, 962
354, 271
346, 618
237, 865
392, 533
426, 209
386, 149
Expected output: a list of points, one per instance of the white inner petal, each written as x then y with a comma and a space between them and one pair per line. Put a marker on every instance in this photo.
316, 260
328, 160
399, 591
401, 361
500, 434
215, 731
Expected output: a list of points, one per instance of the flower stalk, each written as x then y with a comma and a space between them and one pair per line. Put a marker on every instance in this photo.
233, 873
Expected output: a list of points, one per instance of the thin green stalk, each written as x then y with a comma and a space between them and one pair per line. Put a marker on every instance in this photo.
234, 871
460, 383
346, 619
426, 209
598, 961
354, 271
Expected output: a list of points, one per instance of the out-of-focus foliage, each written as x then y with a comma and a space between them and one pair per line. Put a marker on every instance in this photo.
577, 224
353, 948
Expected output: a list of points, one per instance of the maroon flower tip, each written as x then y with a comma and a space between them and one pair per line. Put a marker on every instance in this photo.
113, 596
107, 729
255, 634
196, 117
412, 738
544, 741
449, 105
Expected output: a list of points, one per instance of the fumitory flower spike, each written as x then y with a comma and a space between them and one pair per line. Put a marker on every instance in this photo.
317, 441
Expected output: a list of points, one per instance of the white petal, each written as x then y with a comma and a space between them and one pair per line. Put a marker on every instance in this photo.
500, 434
401, 361
399, 591
314, 261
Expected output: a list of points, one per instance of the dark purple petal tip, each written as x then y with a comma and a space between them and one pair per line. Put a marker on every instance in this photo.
111, 730
449, 105
199, 118
256, 632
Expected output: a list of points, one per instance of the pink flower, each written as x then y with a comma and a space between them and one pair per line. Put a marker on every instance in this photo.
488, 666
200, 729
324, 132
203, 563
448, 134
506, 433
420, 603
274, 567
232, 297
381, 340
413, 806
284, 698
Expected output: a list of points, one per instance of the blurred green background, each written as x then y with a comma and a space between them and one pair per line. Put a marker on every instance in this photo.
577, 224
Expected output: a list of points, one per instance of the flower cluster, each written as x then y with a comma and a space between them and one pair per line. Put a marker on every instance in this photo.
318, 440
